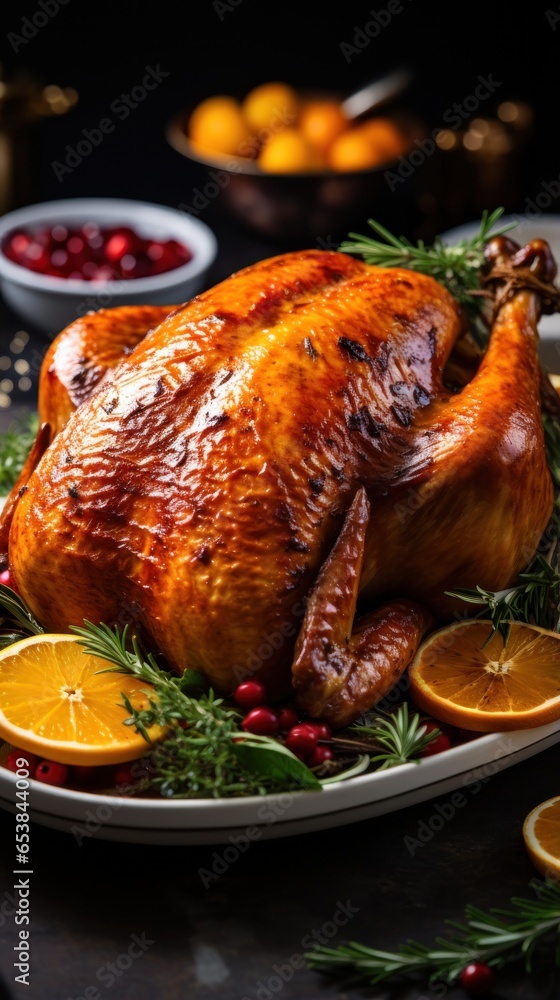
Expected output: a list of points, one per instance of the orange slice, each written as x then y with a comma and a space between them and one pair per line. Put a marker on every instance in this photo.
488, 688
541, 833
55, 703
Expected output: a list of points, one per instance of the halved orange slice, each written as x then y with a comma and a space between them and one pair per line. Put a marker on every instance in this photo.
541, 833
54, 702
458, 679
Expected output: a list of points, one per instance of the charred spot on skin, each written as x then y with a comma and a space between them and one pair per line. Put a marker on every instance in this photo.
421, 395
353, 349
363, 421
204, 555
432, 340
295, 545
381, 360
313, 354
317, 486
79, 376
402, 415
73, 492
110, 406
22, 491
399, 388
283, 512
159, 388
225, 377
216, 420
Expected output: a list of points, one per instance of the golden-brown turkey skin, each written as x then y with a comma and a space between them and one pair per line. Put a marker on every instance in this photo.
80, 356
471, 505
199, 491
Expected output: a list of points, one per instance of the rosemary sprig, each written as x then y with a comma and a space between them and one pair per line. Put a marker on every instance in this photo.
15, 445
494, 937
534, 600
17, 622
400, 737
205, 752
457, 267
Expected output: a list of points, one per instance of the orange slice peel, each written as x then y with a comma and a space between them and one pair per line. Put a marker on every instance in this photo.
541, 834
460, 678
58, 702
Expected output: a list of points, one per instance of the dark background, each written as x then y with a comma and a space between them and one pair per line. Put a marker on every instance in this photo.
229, 46
87, 901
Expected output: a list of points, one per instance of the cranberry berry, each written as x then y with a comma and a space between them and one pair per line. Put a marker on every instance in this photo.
477, 979
262, 721
51, 773
249, 694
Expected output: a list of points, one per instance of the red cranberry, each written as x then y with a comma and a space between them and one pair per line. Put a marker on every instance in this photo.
51, 772
287, 718
125, 774
302, 740
439, 744
320, 755
22, 755
477, 979
262, 721
250, 694
322, 729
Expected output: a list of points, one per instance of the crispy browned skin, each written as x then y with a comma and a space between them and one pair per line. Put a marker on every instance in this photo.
80, 356
198, 492
342, 667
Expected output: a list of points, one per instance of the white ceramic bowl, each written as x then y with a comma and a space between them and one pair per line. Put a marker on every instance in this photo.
50, 303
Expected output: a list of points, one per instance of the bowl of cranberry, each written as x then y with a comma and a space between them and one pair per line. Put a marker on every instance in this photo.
62, 259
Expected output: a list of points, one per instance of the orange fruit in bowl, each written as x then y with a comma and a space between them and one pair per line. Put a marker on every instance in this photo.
289, 152
217, 125
321, 122
58, 702
462, 677
352, 150
385, 136
541, 834
273, 105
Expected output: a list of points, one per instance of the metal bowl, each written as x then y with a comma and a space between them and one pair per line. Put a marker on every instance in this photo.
311, 206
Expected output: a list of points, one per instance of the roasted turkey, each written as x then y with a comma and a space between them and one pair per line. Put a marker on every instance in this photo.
283, 477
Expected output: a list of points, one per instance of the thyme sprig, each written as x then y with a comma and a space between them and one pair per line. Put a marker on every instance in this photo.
400, 737
494, 937
457, 267
205, 752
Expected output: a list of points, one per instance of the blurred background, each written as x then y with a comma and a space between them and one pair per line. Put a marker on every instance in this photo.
485, 80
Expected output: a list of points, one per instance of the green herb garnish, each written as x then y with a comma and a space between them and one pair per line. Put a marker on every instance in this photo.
206, 753
15, 445
493, 937
457, 267
399, 736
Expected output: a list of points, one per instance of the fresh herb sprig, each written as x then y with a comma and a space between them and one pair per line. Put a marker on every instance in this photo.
15, 445
493, 937
205, 752
399, 737
17, 621
536, 596
457, 267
